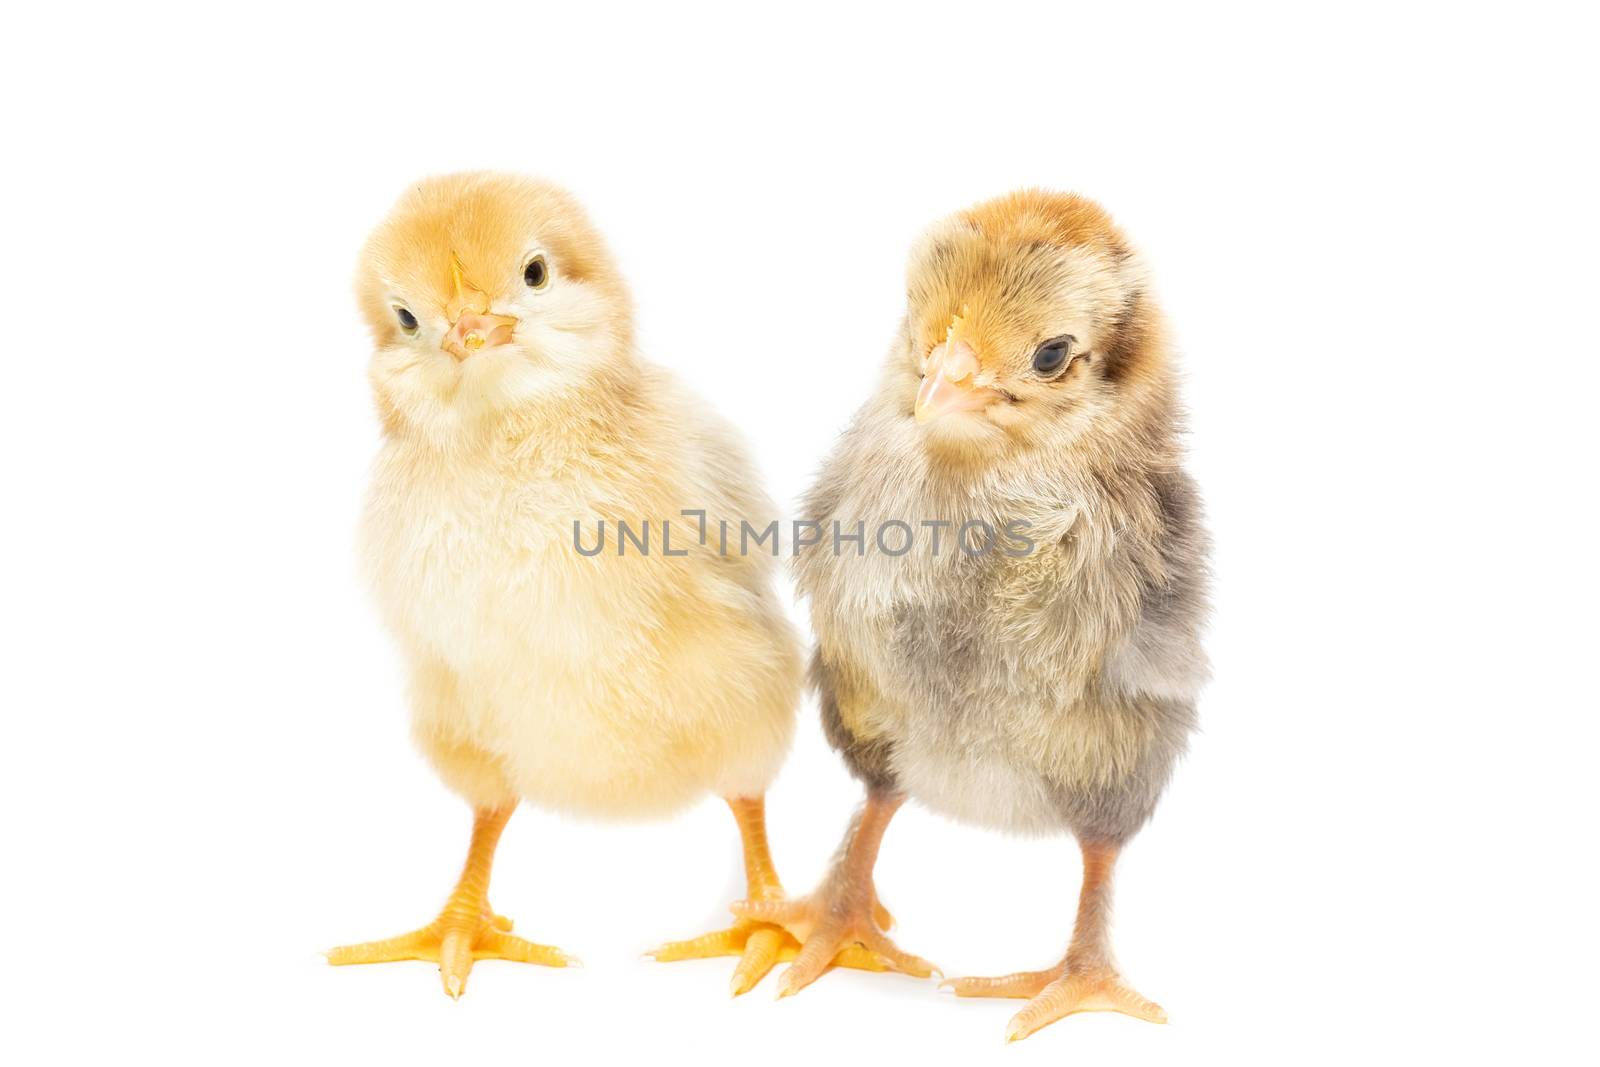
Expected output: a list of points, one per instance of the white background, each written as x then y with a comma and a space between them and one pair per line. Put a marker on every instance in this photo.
1373, 230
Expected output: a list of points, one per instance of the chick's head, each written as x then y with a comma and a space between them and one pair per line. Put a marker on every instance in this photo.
1026, 322
486, 293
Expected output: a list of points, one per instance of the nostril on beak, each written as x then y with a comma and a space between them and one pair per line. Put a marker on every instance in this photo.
959, 362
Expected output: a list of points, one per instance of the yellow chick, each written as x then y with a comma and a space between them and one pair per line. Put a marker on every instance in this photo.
520, 425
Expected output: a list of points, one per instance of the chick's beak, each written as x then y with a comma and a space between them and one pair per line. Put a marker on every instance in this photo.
471, 326
470, 333
947, 382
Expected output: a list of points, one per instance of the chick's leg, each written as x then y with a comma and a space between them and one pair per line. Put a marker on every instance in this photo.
467, 929
843, 918
1087, 980
759, 944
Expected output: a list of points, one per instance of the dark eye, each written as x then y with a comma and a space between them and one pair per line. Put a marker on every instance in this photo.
1052, 355
535, 273
408, 321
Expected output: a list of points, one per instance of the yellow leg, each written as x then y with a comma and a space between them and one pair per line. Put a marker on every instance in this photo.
759, 945
467, 929
843, 918
1087, 980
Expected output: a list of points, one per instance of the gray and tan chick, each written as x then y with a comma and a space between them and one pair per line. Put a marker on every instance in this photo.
1037, 671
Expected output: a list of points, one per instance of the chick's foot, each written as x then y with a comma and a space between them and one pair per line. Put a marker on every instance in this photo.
827, 930
760, 945
843, 918
455, 940
1086, 980
1057, 993
466, 930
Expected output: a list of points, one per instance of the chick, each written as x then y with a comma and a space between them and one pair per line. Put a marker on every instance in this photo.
518, 417
1037, 670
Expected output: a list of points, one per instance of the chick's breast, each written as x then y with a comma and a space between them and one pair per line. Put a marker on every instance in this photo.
1041, 692
608, 684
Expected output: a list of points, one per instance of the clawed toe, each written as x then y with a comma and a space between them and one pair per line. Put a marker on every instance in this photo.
1024, 984
760, 946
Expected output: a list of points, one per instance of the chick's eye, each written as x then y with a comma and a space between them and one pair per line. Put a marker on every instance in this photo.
1052, 355
408, 321
536, 274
